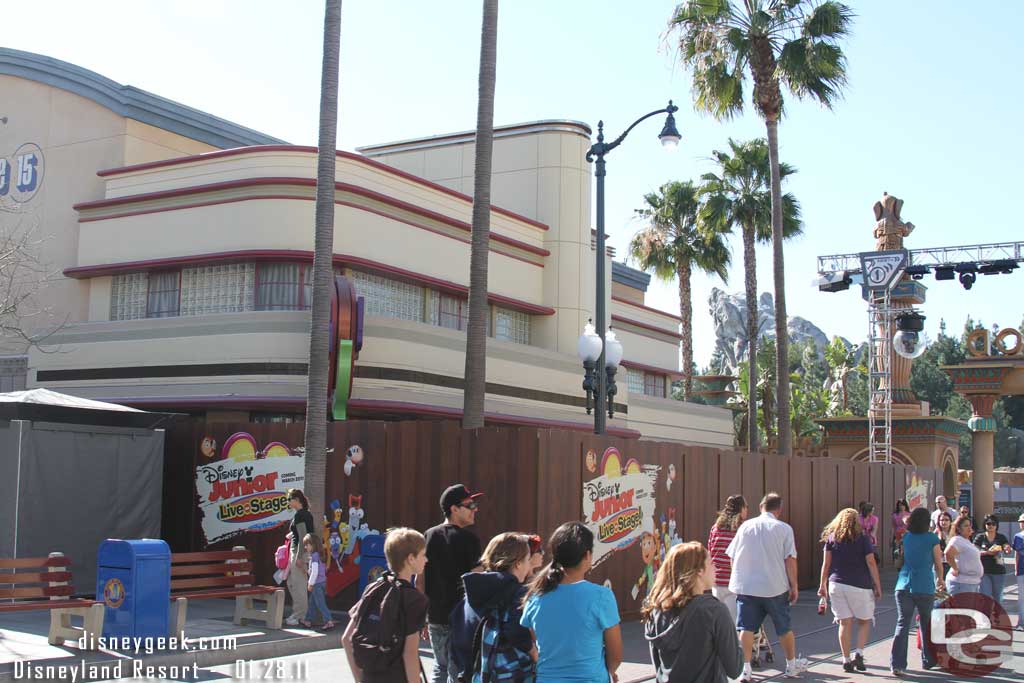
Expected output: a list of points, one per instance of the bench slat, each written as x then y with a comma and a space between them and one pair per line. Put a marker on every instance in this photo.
33, 562
178, 558
45, 604
225, 593
219, 568
33, 577
38, 592
213, 582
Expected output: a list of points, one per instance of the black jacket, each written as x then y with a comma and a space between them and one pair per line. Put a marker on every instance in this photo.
486, 591
696, 644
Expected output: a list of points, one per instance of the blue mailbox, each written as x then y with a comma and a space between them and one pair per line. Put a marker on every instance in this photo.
372, 562
133, 579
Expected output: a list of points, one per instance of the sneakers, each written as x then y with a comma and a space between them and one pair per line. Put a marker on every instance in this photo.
898, 673
746, 677
798, 666
292, 621
858, 661
849, 668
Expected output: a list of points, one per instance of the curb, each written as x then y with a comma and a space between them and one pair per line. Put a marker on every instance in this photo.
182, 661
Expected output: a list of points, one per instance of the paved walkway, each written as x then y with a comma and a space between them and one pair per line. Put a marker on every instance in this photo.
304, 655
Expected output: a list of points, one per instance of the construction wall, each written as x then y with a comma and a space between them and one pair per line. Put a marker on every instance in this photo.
534, 480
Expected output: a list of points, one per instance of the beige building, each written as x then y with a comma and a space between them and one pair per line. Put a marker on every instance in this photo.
185, 246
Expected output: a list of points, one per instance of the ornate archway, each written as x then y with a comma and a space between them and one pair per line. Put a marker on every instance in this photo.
949, 476
898, 457
993, 369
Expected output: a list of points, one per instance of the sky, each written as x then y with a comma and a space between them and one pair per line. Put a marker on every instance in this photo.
921, 117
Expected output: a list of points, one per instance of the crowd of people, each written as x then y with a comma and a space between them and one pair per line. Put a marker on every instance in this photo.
513, 612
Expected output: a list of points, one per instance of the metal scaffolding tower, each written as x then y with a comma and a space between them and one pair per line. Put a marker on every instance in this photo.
880, 376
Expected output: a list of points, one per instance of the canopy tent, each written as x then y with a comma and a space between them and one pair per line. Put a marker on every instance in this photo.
74, 472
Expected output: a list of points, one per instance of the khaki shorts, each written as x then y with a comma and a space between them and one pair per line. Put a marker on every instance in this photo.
850, 602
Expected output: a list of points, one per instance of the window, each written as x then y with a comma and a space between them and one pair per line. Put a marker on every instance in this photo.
163, 295
128, 296
452, 313
388, 298
13, 373
224, 288
635, 380
281, 287
513, 326
654, 384
645, 383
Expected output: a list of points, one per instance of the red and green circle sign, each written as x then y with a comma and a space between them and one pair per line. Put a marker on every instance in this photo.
971, 634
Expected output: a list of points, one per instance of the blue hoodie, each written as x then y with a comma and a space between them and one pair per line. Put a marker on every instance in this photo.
487, 591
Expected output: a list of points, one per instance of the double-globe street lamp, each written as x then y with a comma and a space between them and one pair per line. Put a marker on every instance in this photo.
601, 360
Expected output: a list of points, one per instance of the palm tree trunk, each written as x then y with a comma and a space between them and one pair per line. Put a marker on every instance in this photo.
476, 331
323, 271
779, 274
750, 285
686, 313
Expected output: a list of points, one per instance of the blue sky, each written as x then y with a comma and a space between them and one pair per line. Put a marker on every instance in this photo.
931, 113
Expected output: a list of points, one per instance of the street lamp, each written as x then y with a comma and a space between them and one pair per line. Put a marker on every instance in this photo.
589, 350
670, 138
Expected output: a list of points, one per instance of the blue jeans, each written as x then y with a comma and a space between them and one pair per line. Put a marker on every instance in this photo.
318, 603
992, 586
440, 642
955, 587
906, 603
1020, 601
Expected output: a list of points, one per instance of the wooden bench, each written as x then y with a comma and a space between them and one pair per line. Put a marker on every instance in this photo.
222, 574
46, 584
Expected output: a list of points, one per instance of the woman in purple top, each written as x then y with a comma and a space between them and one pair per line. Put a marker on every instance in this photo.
849, 576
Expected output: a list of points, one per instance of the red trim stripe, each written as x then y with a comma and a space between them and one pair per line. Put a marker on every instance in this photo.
101, 270
652, 368
648, 308
645, 326
299, 404
298, 182
255, 149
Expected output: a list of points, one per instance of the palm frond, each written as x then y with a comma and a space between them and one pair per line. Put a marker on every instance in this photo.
828, 20
811, 68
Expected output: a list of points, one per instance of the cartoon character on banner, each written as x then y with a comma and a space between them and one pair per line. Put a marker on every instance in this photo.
208, 447
353, 458
591, 461
355, 519
670, 479
648, 553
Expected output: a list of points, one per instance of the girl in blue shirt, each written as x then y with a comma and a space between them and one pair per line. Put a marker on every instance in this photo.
574, 622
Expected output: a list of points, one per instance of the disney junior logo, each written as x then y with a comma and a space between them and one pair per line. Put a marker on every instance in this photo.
971, 634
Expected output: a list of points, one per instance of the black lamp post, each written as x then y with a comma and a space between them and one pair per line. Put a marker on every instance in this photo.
669, 137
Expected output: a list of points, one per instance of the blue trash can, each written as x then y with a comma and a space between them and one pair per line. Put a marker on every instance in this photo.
133, 579
372, 562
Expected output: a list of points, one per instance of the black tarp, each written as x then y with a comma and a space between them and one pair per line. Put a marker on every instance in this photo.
67, 487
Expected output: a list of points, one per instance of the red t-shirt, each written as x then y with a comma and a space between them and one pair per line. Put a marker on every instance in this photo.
718, 541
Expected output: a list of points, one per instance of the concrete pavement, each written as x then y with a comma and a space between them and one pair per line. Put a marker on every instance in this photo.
297, 654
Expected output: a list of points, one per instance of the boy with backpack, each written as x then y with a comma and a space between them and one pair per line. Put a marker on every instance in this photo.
382, 637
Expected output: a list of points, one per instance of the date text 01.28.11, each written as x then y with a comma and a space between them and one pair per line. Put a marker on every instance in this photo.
270, 670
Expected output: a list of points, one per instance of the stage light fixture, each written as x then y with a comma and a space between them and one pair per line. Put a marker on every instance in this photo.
944, 273
917, 272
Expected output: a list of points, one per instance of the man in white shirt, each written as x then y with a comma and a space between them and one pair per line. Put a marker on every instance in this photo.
764, 580
940, 507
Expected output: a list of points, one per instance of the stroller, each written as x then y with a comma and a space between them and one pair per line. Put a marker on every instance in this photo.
762, 648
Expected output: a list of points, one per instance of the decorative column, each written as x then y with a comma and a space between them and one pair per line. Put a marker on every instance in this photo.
983, 432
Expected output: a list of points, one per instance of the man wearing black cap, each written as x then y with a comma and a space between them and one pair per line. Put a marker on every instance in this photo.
452, 550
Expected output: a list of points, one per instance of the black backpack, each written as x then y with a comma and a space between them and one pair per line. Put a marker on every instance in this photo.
380, 625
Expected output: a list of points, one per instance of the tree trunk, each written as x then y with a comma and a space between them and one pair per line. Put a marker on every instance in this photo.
479, 310
779, 274
750, 284
323, 270
686, 313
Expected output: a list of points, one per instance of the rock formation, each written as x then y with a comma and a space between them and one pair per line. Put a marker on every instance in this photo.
729, 313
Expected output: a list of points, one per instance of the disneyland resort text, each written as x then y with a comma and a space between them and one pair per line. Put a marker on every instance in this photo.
84, 671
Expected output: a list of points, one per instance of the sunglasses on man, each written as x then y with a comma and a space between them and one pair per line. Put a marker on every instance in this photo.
471, 505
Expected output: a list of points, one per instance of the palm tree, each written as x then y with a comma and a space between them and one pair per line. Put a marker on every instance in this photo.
476, 329
323, 270
739, 196
671, 245
794, 42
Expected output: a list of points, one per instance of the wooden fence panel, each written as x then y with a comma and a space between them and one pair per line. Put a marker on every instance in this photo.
753, 479
776, 476
845, 483
730, 477
801, 517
